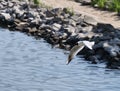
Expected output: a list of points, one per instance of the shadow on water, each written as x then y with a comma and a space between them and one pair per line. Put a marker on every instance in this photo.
27, 64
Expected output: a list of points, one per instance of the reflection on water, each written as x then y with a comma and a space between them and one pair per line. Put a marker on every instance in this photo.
27, 64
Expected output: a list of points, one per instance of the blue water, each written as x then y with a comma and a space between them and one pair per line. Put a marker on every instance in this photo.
27, 64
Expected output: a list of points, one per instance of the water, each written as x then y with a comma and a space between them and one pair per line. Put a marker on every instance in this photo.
27, 64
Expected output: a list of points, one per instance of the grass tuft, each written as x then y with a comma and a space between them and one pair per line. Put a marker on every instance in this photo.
113, 5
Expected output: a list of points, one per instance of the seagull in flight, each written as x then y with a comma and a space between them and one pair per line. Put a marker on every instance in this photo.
77, 48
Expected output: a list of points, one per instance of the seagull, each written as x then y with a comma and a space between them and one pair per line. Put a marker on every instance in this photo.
77, 48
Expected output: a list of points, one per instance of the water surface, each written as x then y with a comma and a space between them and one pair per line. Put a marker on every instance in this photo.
27, 64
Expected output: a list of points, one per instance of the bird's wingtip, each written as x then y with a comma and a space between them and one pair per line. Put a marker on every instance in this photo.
67, 62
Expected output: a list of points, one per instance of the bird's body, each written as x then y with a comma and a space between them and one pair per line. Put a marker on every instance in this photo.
77, 48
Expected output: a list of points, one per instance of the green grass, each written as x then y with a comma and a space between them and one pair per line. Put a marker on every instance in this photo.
116, 5
100, 3
41, 4
113, 5
69, 11
37, 2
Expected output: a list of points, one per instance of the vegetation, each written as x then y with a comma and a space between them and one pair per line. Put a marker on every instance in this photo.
41, 4
37, 2
113, 5
69, 11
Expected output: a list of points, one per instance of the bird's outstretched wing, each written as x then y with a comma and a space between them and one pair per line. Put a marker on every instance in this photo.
88, 44
74, 51
77, 48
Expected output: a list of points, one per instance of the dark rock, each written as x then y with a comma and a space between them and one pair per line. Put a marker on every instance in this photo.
34, 23
24, 6
57, 11
49, 13
104, 27
57, 19
72, 40
10, 11
93, 59
84, 2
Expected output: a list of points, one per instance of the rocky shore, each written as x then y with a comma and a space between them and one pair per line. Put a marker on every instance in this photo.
63, 28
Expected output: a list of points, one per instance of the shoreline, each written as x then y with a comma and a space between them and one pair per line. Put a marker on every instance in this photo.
61, 29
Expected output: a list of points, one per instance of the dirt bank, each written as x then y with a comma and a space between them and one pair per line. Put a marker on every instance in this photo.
101, 16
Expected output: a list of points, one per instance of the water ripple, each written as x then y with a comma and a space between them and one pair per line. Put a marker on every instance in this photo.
27, 64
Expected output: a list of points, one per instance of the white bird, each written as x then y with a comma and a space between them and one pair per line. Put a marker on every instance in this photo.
80, 45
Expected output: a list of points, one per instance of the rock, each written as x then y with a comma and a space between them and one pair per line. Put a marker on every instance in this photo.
65, 21
32, 30
112, 49
87, 29
72, 40
100, 28
49, 13
90, 20
75, 17
1, 6
90, 35
57, 11
93, 59
69, 29
24, 6
27, 15
81, 35
44, 27
66, 16
72, 22
11, 21
64, 36
2, 18
10, 4
35, 23
99, 45
10, 11
57, 19
4, 3
85, 2
6, 15
18, 12
42, 15
56, 26
85, 35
